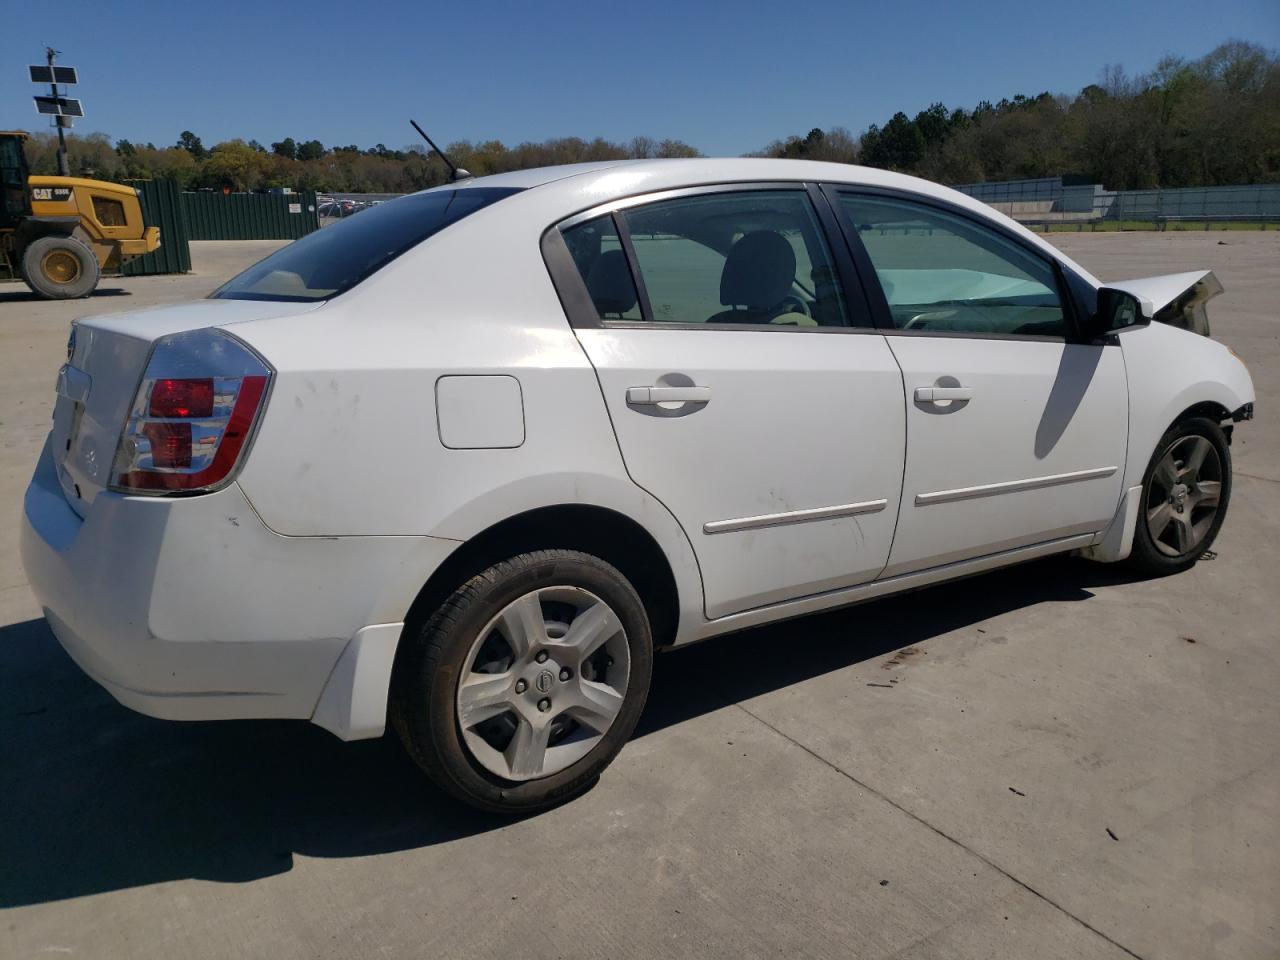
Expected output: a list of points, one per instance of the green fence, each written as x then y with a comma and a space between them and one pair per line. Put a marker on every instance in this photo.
250, 216
183, 216
161, 207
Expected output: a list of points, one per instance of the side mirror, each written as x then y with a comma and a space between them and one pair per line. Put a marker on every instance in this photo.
1117, 311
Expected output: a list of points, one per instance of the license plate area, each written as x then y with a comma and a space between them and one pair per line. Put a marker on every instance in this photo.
72, 393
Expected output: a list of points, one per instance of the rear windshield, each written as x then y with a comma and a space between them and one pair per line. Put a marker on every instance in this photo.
331, 261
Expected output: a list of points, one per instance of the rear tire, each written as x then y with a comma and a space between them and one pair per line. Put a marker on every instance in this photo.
60, 268
1185, 493
522, 687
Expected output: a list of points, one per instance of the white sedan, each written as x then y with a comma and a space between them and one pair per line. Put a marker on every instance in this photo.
464, 463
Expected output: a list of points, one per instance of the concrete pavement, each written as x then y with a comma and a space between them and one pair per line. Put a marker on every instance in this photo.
1052, 761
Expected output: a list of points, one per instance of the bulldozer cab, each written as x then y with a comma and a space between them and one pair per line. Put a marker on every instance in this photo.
16, 205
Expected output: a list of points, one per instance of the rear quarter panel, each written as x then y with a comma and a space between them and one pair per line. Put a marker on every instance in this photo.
350, 446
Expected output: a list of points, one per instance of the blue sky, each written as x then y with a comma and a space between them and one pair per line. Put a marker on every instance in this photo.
726, 77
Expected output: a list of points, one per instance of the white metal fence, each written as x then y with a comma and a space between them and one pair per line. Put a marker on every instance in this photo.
1048, 202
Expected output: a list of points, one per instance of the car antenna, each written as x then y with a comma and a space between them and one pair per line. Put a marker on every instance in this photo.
457, 173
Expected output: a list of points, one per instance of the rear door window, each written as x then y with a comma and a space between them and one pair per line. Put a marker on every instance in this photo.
757, 257
754, 257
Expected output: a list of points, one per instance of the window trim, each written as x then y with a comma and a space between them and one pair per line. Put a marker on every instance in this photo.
874, 290
851, 281
623, 230
581, 312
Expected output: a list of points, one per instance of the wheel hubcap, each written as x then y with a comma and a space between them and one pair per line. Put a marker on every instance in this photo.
60, 266
543, 682
1183, 496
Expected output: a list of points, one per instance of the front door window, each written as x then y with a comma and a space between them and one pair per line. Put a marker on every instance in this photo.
944, 273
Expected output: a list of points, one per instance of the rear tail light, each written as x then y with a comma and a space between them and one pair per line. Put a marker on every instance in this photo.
182, 398
189, 427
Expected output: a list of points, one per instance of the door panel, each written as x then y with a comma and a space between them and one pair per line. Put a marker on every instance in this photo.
1016, 432
784, 470
1036, 452
742, 399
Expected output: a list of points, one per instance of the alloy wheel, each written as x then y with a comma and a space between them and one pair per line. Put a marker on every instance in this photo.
1183, 496
543, 683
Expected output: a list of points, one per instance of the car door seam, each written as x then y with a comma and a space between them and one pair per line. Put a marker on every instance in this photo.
622, 456
906, 448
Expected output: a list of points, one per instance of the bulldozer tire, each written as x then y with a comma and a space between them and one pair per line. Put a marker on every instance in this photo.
60, 268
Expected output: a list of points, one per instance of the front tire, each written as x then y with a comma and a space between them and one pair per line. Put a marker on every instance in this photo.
1185, 493
60, 268
522, 687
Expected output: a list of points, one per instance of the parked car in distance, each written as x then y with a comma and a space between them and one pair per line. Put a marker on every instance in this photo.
463, 464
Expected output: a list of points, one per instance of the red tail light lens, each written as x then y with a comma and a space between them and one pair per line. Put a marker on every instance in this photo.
170, 444
182, 398
189, 433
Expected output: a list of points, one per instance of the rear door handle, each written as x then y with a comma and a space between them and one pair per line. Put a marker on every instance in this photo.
934, 394
644, 395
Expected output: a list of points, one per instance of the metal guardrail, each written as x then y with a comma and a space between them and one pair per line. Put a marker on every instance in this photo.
1162, 223
1015, 191
1052, 205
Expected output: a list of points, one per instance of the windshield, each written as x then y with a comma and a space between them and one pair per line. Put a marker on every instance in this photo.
334, 259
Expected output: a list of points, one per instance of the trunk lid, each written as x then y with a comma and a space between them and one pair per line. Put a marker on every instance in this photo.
96, 387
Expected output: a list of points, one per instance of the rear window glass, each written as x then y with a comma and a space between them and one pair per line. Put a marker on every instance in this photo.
334, 259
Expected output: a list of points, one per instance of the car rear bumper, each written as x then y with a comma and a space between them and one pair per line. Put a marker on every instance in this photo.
192, 609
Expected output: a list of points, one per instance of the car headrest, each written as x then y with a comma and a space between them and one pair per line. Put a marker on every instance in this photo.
758, 272
609, 283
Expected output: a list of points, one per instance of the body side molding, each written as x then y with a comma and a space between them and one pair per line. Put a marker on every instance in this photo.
1012, 486
794, 516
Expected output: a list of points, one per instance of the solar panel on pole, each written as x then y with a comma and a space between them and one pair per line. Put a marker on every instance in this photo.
59, 106
52, 74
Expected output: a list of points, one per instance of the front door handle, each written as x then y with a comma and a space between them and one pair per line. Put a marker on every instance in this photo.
934, 394
646, 395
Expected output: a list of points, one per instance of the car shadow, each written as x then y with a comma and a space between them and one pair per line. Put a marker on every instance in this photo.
1076, 368
98, 798
21, 294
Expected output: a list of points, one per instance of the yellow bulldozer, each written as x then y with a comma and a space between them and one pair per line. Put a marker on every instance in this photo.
59, 233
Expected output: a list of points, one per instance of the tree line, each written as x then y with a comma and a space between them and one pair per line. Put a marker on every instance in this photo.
1205, 122
309, 165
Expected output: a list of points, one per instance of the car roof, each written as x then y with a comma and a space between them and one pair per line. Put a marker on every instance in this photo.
699, 170
609, 180
534, 176
693, 171
580, 186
